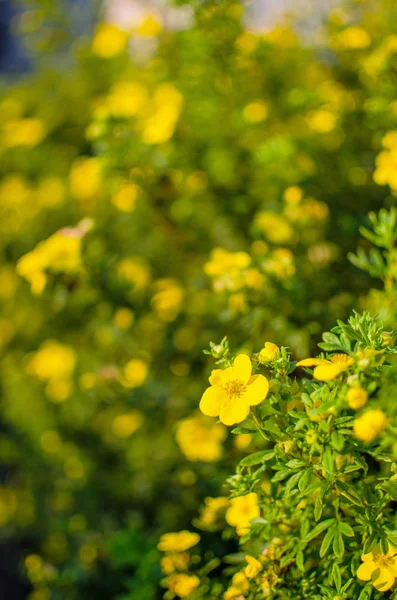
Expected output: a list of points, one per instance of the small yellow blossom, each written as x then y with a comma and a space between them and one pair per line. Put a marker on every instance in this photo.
253, 567
357, 397
150, 26
182, 584
177, 561
166, 106
239, 587
85, 178
275, 227
134, 373
212, 510
124, 425
367, 427
256, 112
178, 542
168, 299
24, 132
52, 361
354, 38
227, 269
326, 370
269, 352
241, 512
126, 99
200, 440
233, 391
125, 197
380, 568
134, 272
109, 40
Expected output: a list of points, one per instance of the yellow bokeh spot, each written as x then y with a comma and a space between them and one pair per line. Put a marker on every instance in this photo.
124, 199
51, 442
123, 318
134, 373
124, 425
256, 112
109, 40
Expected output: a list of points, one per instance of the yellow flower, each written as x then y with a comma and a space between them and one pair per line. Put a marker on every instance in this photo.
200, 440
52, 361
126, 99
85, 178
269, 352
354, 38
233, 391
369, 425
212, 510
134, 373
160, 125
178, 542
255, 112
124, 199
380, 568
357, 397
24, 132
241, 512
168, 299
178, 561
253, 567
109, 40
183, 585
150, 26
326, 370
228, 269
275, 227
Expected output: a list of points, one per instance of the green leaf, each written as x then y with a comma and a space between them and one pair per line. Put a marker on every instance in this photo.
238, 430
328, 461
256, 458
338, 545
329, 536
336, 576
366, 593
350, 493
305, 479
296, 463
346, 529
337, 441
320, 527
318, 507
300, 560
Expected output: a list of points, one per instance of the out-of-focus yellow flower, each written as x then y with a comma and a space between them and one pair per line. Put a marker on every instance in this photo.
166, 106
239, 587
168, 299
125, 425
326, 370
85, 178
135, 272
125, 197
256, 112
269, 352
293, 195
200, 440
123, 318
247, 42
51, 192
178, 542
386, 162
241, 512
182, 584
212, 510
60, 253
58, 390
177, 561
380, 568
109, 40
354, 38
150, 25
274, 227
357, 397
233, 391
24, 132
253, 567
134, 373
322, 121
280, 264
52, 360
369, 425
126, 99
228, 269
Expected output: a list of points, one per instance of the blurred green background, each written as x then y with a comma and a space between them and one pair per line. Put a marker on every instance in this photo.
169, 175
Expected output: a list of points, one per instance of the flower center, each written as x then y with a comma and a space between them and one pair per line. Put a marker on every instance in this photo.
235, 388
383, 561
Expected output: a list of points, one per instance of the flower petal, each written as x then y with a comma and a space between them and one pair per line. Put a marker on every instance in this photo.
383, 579
326, 372
242, 367
312, 362
365, 570
211, 402
216, 377
257, 390
234, 411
